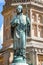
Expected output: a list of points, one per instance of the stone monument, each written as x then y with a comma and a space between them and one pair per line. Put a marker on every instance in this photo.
19, 25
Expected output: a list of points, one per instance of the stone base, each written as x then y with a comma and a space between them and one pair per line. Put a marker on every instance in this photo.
19, 64
18, 60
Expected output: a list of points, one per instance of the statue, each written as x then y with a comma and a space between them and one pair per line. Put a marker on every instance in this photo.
19, 23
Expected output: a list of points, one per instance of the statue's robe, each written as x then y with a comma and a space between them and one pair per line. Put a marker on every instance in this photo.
19, 26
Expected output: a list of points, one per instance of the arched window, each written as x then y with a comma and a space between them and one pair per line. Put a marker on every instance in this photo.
39, 31
34, 30
39, 19
33, 17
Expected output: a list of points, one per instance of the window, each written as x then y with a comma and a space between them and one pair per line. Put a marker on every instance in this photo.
34, 30
33, 17
39, 29
39, 19
41, 32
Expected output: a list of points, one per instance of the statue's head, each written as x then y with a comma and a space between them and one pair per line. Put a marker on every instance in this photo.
19, 9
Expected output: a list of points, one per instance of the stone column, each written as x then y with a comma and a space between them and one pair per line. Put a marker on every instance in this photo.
36, 59
32, 57
2, 2
37, 22
31, 22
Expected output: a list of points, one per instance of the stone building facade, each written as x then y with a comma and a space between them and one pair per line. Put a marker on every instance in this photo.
34, 45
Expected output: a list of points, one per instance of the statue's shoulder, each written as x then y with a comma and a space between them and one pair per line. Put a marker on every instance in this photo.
24, 16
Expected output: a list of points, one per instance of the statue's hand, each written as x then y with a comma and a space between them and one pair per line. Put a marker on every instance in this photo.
15, 23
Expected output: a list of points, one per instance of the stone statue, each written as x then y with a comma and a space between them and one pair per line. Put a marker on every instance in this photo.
19, 23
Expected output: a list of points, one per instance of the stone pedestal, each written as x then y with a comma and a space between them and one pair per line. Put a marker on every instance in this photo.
19, 64
19, 61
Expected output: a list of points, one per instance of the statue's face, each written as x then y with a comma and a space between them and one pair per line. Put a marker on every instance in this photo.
19, 9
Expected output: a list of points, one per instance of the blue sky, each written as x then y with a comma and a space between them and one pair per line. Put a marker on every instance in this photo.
2, 2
